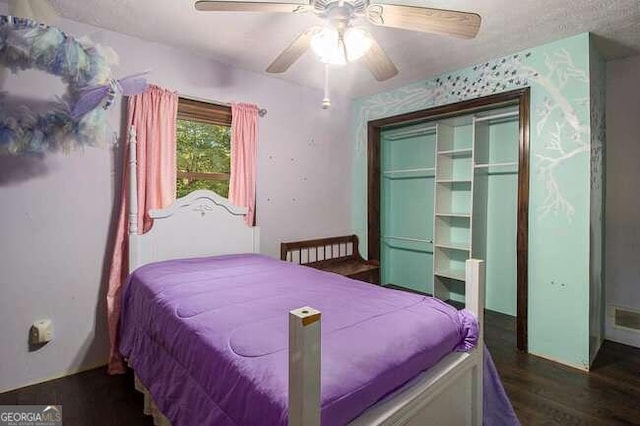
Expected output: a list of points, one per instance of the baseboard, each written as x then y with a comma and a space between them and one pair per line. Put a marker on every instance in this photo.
631, 340
60, 375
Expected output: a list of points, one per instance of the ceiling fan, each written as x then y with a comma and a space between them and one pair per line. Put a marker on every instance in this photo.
343, 39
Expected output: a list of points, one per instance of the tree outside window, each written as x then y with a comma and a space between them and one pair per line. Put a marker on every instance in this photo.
203, 147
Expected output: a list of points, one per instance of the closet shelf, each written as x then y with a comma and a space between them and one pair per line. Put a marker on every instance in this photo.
451, 214
453, 181
422, 172
457, 152
502, 116
451, 273
486, 166
413, 240
398, 135
452, 246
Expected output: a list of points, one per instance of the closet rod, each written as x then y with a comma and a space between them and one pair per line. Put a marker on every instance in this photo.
481, 166
409, 133
498, 116
261, 111
415, 240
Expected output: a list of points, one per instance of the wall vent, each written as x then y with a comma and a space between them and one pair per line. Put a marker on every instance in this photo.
627, 319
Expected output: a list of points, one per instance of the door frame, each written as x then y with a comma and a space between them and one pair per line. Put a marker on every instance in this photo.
520, 97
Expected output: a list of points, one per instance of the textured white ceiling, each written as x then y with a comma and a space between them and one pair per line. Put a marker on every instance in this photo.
252, 41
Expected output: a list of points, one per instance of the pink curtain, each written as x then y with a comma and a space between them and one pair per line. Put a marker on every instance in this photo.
244, 148
153, 114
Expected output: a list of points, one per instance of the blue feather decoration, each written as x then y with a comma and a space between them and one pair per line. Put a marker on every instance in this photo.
76, 119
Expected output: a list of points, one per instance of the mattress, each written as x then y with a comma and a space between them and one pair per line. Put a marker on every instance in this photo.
208, 338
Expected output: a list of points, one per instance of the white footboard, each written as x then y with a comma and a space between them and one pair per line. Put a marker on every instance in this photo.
449, 393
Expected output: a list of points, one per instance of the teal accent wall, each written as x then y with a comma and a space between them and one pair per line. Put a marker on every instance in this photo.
560, 186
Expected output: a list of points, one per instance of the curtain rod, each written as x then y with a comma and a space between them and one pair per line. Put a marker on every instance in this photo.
261, 111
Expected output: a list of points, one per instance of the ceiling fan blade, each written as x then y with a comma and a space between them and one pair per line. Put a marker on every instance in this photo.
246, 6
378, 62
438, 21
39, 10
293, 52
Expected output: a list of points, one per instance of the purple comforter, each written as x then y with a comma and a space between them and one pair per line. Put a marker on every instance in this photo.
208, 337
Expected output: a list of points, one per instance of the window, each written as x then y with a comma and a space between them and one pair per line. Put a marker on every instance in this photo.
203, 154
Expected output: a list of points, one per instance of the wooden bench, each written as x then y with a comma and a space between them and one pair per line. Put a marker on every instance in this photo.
335, 254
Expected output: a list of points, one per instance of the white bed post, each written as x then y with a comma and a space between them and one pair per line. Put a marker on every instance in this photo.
474, 290
304, 367
474, 301
133, 200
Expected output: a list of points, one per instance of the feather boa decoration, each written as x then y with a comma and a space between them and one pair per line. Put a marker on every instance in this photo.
77, 118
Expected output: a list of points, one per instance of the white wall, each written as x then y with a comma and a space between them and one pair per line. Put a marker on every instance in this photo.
622, 247
56, 211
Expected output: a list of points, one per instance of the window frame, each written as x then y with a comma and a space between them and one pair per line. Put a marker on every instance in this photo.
207, 113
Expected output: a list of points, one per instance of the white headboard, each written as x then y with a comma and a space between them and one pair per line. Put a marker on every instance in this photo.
199, 224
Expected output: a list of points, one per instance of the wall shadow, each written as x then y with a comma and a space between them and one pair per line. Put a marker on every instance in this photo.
19, 168
612, 49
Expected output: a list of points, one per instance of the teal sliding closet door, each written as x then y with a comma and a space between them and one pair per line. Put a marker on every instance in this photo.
407, 180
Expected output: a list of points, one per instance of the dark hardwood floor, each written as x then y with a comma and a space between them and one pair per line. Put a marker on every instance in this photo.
91, 398
548, 393
542, 392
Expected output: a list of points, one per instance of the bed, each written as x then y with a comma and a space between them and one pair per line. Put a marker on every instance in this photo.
205, 328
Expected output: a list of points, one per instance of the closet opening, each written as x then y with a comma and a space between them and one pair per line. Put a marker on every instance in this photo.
449, 183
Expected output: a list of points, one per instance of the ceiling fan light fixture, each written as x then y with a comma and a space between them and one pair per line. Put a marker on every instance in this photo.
334, 49
358, 42
326, 44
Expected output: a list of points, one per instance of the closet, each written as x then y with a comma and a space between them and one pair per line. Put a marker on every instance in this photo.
448, 192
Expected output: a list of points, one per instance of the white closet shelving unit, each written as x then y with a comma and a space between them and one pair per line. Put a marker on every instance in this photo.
454, 158
453, 203
462, 164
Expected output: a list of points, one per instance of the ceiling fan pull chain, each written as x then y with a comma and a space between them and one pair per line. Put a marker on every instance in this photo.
326, 102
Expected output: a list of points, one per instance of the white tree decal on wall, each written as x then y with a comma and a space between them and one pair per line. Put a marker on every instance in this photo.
566, 137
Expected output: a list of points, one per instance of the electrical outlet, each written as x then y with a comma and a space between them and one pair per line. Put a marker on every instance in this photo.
41, 332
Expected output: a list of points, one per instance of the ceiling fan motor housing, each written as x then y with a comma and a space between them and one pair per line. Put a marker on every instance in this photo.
324, 7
